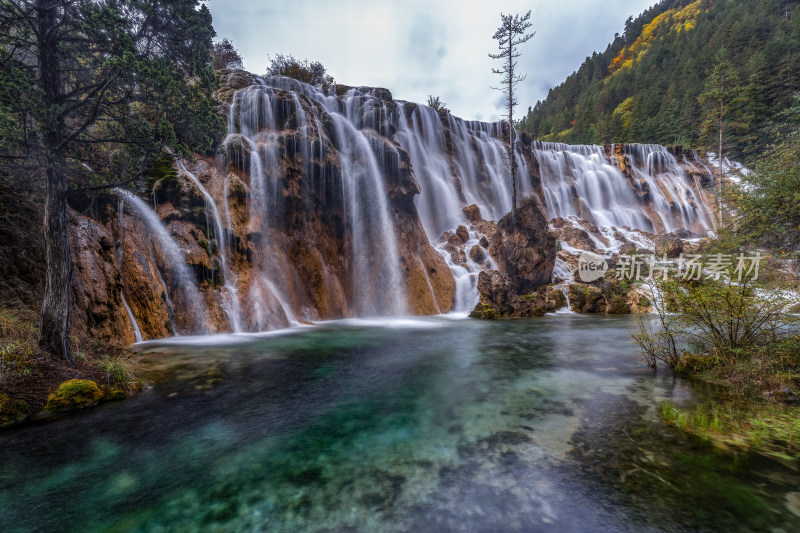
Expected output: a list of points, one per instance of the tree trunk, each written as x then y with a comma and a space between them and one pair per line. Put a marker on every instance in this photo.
721, 127
55, 323
512, 161
719, 177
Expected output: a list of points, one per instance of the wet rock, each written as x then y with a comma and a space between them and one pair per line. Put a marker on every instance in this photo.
458, 257
616, 305
585, 298
576, 238
477, 254
498, 291
605, 296
463, 233
472, 212
381, 93
230, 82
499, 300
485, 311
669, 244
525, 251
454, 240
484, 241
97, 282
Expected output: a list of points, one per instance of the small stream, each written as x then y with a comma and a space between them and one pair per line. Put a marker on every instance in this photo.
421, 425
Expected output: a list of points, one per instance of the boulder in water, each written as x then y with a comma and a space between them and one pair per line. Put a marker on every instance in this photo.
585, 298
576, 238
472, 212
477, 254
525, 251
463, 233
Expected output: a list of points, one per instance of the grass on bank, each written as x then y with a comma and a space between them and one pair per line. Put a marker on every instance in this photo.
32, 381
766, 428
743, 339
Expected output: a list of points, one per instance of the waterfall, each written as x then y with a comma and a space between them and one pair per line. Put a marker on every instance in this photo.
137, 333
331, 223
230, 298
324, 126
179, 275
583, 182
677, 202
458, 163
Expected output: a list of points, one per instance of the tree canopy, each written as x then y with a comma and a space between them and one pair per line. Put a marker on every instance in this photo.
311, 72
225, 56
90, 92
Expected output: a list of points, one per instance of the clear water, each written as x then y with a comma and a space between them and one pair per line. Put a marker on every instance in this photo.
417, 425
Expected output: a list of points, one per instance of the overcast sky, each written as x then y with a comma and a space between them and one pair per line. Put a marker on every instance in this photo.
419, 47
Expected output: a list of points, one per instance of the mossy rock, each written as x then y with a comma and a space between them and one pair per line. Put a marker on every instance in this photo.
116, 395
12, 412
617, 306
485, 311
74, 394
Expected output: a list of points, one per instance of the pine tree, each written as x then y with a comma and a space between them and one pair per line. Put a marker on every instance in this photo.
114, 81
509, 36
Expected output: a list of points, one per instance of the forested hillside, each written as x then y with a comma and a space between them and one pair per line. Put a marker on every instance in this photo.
647, 86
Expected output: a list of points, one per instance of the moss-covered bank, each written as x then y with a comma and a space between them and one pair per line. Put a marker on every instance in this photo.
33, 384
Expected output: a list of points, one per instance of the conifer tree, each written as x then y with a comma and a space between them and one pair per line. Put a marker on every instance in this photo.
509, 36
99, 87
722, 96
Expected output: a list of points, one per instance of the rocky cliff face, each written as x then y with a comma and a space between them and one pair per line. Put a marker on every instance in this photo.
329, 203
277, 235
524, 254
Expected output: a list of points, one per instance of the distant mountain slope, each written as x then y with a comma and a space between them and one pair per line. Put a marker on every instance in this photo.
645, 86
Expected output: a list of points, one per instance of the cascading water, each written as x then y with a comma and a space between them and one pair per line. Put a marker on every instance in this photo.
137, 333
179, 277
324, 126
333, 161
230, 298
582, 181
465, 163
677, 201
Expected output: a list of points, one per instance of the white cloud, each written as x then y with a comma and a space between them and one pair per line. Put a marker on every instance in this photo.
420, 47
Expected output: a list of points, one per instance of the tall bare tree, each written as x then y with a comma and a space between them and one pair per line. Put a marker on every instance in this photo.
509, 36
